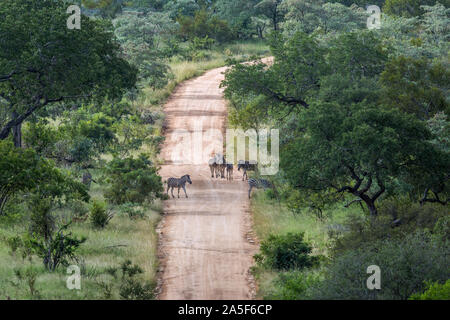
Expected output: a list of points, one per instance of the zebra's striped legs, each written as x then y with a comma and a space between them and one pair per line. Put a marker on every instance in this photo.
172, 193
249, 191
245, 175
184, 188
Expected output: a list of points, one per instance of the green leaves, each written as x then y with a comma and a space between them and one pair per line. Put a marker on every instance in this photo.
48, 63
343, 130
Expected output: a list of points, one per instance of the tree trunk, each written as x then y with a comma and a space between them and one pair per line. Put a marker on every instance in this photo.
17, 133
16, 129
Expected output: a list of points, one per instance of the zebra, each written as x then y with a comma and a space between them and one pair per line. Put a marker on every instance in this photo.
217, 166
258, 184
212, 166
247, 166
229, 171
178, 183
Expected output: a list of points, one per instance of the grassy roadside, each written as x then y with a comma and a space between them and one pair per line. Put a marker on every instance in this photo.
123, 238
271, 217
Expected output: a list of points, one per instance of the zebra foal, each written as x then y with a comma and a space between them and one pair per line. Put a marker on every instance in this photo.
178, 183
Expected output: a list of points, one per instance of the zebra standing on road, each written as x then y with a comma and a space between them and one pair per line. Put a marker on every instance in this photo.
178, 183
258, 184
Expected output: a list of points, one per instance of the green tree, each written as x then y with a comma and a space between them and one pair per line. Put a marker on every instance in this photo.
324, 17
434, 291
22, 170
203, 24
416, 86
238, 14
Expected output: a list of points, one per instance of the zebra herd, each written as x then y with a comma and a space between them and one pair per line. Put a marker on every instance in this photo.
220, 168
218, 165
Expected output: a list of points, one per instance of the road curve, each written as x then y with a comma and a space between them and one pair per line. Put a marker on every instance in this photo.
206, 243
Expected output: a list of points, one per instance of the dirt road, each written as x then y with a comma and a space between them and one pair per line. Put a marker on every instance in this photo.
206, 243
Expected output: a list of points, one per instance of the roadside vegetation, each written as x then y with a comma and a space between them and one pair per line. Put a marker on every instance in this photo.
364, 157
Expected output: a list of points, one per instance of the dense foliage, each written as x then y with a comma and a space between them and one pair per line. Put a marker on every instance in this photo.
132, 180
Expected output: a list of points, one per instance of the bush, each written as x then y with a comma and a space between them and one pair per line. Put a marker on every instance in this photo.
22, 170
284, 252
202, 25
99, 215
434, 291
292, 285
132, 288
132, 181
58, 249
405, 265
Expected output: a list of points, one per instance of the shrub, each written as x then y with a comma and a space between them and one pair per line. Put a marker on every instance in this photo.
29, 276
80, 210
132, 211
132, 180
100, 217
434, 291
132, 288
405, 265
284, 252
292, 285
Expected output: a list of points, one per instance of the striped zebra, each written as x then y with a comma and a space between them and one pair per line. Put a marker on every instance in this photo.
229, 171
258, 184
178, 183
217, 166
247, 166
